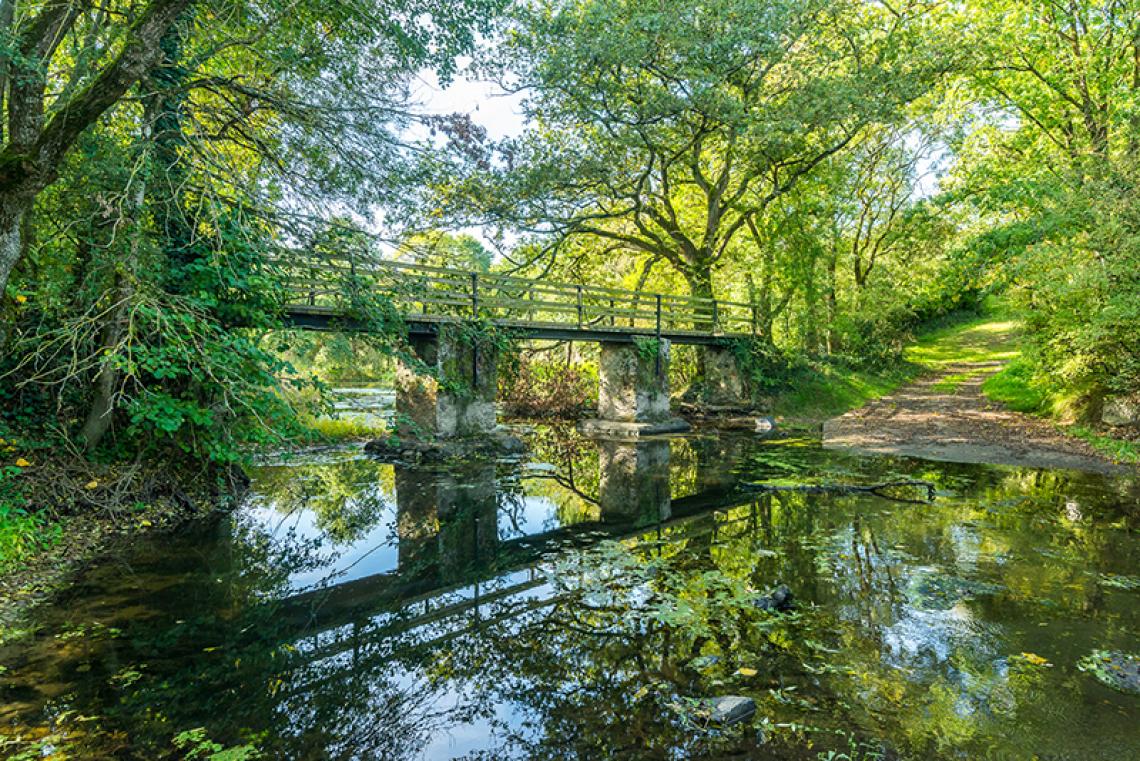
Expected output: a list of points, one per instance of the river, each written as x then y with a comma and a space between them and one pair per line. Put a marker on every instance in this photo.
583, 602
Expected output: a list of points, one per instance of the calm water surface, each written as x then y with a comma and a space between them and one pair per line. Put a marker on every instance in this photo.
582, 602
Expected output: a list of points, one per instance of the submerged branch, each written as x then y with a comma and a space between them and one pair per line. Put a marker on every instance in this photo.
879, 490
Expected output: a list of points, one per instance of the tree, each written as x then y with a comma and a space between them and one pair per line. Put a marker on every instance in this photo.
154, 171
669, 130
1047, 175
40, 135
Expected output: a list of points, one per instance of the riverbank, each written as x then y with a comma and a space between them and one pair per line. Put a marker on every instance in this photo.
950, 412
824, 390
63, 513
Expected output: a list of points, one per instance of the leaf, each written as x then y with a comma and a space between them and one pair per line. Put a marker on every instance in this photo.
1035, 659
22, 463
92, 484
745, 671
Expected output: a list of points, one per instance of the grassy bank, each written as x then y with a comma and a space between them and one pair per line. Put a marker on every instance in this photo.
823, 390
1017, 387
827, 390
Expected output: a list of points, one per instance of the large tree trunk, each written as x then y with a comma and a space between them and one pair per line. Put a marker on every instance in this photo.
699, 280
38, 143
12, 214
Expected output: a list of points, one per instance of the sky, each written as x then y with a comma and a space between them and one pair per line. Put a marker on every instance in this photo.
487, 105
500, 114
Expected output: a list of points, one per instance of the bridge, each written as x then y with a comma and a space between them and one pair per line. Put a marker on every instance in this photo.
435, 304
321, 293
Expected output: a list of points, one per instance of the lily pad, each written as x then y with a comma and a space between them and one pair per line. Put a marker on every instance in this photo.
1120, 671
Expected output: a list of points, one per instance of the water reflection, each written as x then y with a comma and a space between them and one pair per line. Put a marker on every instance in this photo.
578, 606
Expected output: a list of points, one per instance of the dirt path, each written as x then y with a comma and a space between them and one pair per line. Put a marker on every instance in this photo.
945, 416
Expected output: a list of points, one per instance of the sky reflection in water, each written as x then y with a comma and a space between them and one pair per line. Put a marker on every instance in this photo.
578, 605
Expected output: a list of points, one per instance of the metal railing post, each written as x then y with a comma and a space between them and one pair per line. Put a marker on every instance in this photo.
715, 317
475, 295
658, 358
579, 307
475, 344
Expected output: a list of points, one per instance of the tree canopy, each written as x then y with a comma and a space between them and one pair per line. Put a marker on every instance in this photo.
850, 170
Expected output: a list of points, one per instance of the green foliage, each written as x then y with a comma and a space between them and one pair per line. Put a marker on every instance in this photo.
1016, 387
155, 264
197, 745
647, 348
1116, 449
24, 532
764, 365
537, 388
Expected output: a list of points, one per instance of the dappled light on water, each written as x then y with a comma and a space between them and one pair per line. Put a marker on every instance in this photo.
592, 600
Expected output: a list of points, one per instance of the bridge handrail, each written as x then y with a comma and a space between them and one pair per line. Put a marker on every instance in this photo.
313, 277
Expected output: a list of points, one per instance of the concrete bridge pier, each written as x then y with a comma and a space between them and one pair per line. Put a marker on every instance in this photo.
722, 382
457, 399
633, 393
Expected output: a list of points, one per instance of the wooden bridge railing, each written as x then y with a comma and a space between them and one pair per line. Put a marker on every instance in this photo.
440, 293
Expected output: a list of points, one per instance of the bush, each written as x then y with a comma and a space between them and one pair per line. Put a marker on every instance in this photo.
533, 389
1016, 387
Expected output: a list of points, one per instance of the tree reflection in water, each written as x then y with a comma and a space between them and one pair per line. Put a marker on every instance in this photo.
579, 605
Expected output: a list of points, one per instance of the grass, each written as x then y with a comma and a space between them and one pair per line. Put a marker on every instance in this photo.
332, 429
1013, 386
1118, 450
983, 339
827, 390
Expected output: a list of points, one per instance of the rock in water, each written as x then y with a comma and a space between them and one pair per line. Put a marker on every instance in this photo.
780, 598
730, 709
1120, 671
765, 424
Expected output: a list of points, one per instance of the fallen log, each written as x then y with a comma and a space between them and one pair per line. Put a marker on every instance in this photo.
879, 490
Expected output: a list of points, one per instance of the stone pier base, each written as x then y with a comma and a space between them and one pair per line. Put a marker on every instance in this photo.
633, 394
459, 401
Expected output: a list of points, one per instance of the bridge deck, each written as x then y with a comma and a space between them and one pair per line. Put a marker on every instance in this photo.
324, 294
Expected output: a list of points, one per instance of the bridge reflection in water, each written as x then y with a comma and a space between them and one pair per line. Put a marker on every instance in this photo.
461, 548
